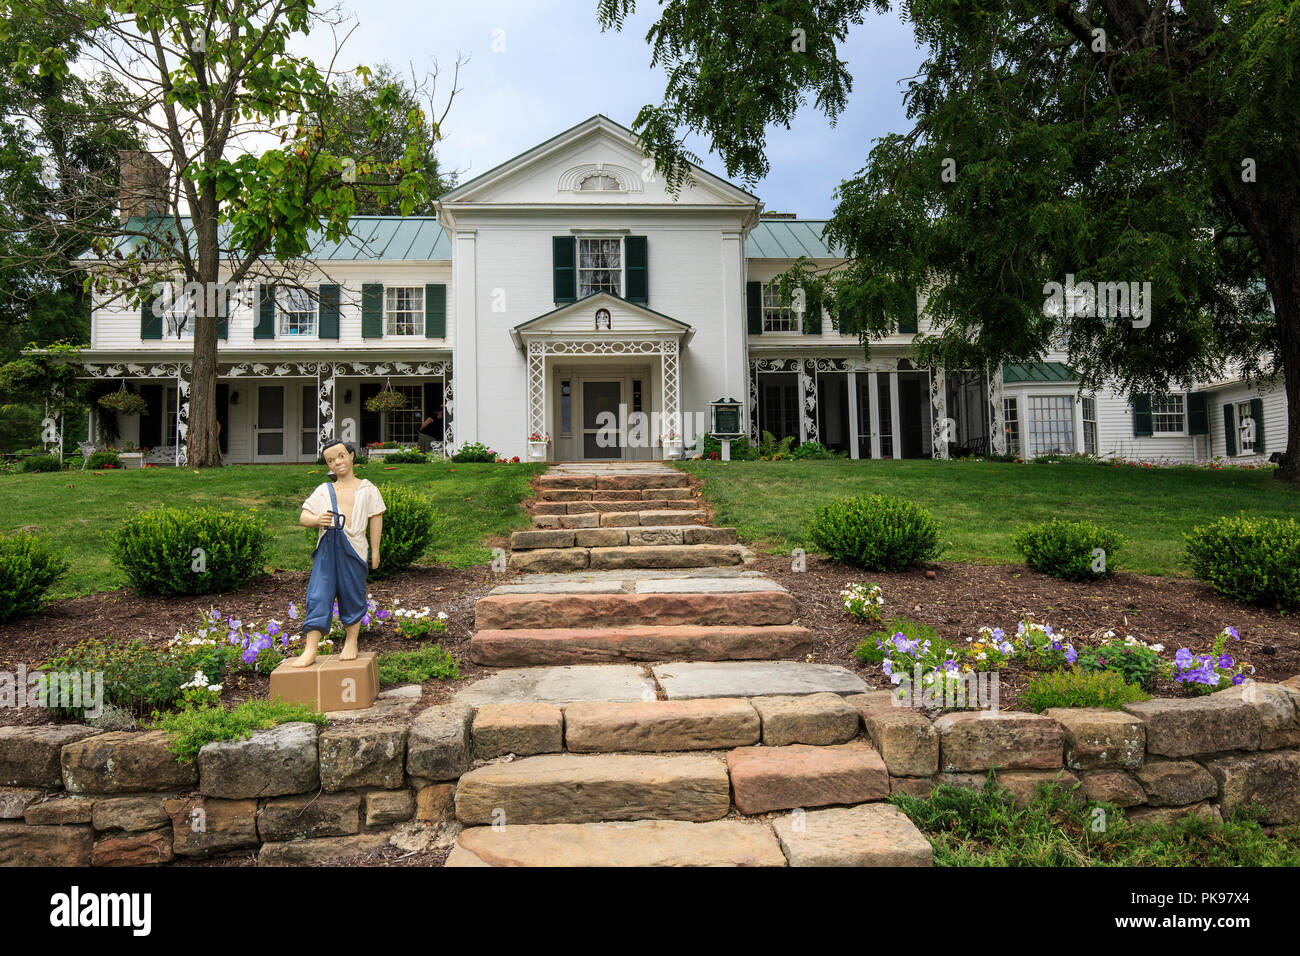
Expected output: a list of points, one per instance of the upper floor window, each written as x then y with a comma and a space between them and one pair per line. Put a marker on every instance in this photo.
599, 182
600, 266
404, 310
776, 317
297, 311
1168, 415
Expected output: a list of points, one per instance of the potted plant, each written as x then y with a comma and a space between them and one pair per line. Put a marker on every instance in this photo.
386, 401
131, 456
538, 446
672, 445
381, 450
124, 403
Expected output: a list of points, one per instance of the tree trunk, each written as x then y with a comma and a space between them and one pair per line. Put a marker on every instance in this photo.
203, 446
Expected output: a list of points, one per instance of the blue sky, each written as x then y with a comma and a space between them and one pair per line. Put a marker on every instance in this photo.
553, 68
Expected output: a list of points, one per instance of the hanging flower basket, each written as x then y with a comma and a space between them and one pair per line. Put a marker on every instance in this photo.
386, 401
124, 403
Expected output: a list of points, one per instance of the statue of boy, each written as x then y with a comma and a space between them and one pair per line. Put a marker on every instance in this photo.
345, 509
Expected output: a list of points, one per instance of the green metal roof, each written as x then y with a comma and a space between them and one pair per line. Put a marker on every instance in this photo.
388, 238
790, 239
1013, 373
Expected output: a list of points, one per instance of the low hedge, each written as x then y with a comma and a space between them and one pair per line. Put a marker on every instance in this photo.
190, 551
876, 532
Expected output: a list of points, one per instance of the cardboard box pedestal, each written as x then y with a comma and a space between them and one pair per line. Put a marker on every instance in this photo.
329, 683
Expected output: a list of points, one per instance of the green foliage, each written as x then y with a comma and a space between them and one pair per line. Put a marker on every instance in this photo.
1136, 662
195, 725
1249, 559
140, 677
417, 666
103, 459
409, 528
41, 463
29, 565
876, 532
474, 451
1064, 549
409, 456
741, 448
814, 450
1071, 688
872, 650
770, 447
157, 550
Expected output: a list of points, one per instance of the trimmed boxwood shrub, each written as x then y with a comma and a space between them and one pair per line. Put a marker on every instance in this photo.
156, 550
29, 565
409, 528
1077, 689
1251, 560
41, 463
102, 459
1064, 549
876, 532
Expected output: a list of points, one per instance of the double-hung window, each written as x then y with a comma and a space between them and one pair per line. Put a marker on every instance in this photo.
1246, 429
1089, 409
1169, 415
404, 310
776, 317
600, 266
297, 309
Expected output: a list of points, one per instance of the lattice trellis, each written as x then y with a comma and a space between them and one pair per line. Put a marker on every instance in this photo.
997, 428
938, 414
672, 417
537, 388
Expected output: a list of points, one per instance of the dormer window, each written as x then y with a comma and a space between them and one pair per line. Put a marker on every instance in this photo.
598, 182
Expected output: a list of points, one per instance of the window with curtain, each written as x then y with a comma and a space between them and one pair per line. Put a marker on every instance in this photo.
297, 311
404, 310
776, 318
600, 266
1245, 436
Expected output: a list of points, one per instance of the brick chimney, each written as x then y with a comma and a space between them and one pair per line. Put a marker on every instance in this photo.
142, 185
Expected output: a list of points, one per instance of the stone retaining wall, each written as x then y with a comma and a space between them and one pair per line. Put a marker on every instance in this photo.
70, 795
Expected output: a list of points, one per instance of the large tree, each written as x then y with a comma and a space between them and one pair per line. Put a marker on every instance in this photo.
241, 124
1112, 140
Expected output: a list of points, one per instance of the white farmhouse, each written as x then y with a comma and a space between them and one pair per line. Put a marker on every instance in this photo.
566, 290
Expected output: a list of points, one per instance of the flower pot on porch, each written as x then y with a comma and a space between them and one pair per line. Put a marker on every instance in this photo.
537, 450
672, 448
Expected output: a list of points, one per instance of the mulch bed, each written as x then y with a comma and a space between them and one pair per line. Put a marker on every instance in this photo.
124, 614
960, 598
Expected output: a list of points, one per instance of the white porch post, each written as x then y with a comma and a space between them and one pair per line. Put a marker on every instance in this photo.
938, 414
852, 378
873, 407
182, 412
808, 401
537, 388
325, 383
669, 375
997, 427
895, 438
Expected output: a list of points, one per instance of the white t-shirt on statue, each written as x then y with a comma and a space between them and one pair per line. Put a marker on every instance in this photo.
366, 503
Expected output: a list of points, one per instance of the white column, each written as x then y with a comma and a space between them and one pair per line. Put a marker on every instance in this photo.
873, 409
895, 439
182, 413
853, 414
465, 341
734, 357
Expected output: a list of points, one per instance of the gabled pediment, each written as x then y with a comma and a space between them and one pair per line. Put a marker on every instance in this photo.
577, 321
596, 162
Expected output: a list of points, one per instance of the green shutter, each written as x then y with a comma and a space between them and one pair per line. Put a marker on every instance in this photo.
1198, 414
1257, 413
1141, 416
372, 310
564, 251
328, 320
435, 311
638, 273
907, 321
223, 323
754, 307
150, 324
265, 328
812, 315
1229, 432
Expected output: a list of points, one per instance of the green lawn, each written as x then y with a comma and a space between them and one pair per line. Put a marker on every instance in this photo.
981, 503
80, 510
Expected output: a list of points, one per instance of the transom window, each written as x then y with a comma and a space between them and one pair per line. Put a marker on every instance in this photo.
776, 318
1051, 424
297, 312
598, 182
1168, 415
404, 308
600, 266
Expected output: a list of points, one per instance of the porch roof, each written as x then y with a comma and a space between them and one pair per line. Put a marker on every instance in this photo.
1017, 372
560, 321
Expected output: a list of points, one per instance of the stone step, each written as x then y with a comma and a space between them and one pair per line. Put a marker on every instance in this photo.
755, 679
567, 788
521, 647
660, 726
871, 834
621, 609
635, 536
799, 776
605, 494
648, 556
641, 843
613, 482
607, 505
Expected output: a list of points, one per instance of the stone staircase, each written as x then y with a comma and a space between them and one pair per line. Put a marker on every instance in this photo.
654, 704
